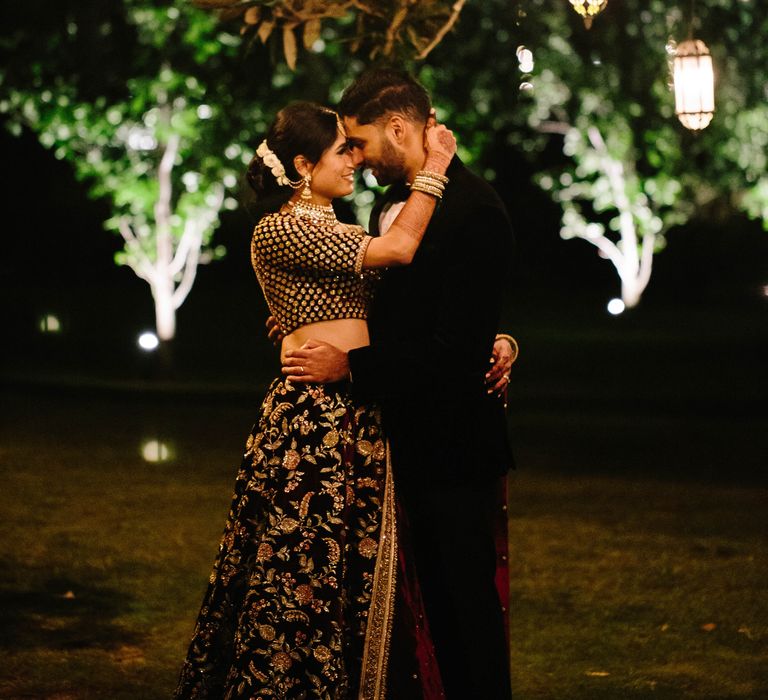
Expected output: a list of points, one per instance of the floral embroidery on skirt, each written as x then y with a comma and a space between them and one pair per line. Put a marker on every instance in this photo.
286, 608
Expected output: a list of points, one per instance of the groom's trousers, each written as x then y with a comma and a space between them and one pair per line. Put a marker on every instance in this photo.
452, 529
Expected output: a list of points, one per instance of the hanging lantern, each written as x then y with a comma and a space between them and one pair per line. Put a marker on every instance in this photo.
588, 9
694, 81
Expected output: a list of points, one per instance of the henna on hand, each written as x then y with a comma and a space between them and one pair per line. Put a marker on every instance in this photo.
441, 147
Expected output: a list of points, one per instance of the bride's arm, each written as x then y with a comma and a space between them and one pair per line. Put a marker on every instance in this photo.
399, 244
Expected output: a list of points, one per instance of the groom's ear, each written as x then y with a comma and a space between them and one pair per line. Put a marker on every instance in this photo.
397, 128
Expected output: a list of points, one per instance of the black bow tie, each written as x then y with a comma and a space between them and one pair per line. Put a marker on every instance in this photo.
398, 192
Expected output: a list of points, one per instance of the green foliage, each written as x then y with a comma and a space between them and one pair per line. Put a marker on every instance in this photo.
115, 133
107, 85
116, 86
603, 99
615, 77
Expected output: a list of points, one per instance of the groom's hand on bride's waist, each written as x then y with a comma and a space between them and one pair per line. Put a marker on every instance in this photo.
274, 332
316, 362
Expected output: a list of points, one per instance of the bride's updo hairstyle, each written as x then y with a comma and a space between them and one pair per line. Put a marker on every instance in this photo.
301, 128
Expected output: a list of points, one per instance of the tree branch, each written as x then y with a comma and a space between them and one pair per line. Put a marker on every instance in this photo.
144, 271
125, 230
455, 12
646, 260
611, 167
194, 237
394, 28
550, 127
616, 179
182, 249
608, 248
190, 270
163, 204
367, 9
143, 267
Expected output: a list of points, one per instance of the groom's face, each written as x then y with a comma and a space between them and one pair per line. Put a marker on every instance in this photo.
372, 148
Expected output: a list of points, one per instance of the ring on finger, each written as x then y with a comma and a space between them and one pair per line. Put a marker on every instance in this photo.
301, 369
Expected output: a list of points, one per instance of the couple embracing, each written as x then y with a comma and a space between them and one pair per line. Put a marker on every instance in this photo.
361, 555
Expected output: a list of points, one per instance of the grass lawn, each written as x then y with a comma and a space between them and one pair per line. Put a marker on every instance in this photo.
634, 587
638, 589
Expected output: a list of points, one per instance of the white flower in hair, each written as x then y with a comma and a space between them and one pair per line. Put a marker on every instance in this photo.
273, 163
263, 149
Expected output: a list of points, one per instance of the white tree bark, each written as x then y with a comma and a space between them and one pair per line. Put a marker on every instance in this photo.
163, 286
172, 272
633, 267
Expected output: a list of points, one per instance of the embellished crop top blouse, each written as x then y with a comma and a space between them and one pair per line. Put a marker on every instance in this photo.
310, 270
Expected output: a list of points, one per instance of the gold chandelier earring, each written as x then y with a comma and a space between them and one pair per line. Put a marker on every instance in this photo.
306, 193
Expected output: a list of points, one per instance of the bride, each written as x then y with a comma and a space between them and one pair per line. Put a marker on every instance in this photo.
301, 598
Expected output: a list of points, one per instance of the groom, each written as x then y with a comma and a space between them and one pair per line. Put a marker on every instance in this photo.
432, 326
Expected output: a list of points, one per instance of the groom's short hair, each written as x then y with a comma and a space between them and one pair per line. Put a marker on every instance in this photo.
381, 91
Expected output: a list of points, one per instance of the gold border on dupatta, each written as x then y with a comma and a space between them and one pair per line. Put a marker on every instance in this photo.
373, 678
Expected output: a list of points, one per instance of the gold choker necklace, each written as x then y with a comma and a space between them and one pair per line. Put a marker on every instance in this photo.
315, 212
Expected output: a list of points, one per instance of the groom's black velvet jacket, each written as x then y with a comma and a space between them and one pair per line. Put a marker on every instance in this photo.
432, 328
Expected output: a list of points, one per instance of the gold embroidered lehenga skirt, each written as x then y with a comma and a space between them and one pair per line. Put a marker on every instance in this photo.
301, 597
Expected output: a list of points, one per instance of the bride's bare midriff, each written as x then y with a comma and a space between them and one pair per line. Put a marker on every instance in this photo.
345, 333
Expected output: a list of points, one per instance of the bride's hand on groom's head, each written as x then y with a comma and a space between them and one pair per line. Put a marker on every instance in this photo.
439, 142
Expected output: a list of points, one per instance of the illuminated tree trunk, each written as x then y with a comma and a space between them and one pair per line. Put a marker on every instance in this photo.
165, 312
163, 286
632, 256
171, 271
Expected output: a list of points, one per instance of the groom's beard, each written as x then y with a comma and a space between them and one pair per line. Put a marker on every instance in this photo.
391, 166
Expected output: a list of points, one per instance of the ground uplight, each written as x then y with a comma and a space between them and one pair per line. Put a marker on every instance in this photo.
148, 341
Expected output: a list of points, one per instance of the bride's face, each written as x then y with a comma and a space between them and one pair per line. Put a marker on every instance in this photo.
334, 174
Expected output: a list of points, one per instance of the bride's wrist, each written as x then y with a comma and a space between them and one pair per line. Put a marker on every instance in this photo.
436, 163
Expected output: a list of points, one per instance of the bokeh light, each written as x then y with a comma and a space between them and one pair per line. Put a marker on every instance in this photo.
148, 341
156, 451
49, 324
141, 140
525, 59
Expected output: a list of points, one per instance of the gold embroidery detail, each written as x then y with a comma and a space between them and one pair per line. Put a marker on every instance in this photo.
373, 680
311, 271
361, 254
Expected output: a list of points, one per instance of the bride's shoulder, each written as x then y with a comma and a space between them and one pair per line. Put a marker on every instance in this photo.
352, 228
272, 217
273, 220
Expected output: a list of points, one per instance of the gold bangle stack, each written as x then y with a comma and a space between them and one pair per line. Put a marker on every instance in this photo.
430, 183
432, 174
